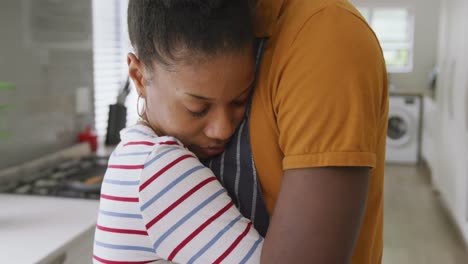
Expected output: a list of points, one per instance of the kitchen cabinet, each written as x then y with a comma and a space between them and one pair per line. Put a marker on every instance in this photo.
450, 140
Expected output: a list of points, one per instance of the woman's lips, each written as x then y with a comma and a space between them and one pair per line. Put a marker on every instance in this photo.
213, 151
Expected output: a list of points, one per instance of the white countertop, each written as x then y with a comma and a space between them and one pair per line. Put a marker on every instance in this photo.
33, 227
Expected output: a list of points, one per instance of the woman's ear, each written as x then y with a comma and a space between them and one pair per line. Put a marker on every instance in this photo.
136, 73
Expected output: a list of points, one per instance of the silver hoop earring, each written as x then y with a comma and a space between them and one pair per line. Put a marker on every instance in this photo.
139, 112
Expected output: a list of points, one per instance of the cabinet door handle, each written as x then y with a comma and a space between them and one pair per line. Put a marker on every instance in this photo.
466, 106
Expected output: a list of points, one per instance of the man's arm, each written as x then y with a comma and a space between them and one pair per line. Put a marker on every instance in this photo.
330, 107
318, 215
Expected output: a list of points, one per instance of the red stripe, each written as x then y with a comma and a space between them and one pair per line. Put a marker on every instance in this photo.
106, 261
122, 231
179, 201
155, 176
126, 167
146, 143
122, 199
198, 230
168, 143
234, 244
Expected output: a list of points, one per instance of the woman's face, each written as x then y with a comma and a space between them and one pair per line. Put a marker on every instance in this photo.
201, 103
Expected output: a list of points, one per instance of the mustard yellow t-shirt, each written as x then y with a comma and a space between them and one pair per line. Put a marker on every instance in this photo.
321, 100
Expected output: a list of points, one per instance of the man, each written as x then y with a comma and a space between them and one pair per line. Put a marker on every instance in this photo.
318, 129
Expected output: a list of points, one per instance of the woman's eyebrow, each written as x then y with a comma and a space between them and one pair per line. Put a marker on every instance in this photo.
200, 97
204, 98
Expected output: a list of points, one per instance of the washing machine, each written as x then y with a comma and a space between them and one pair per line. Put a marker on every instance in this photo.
403, 134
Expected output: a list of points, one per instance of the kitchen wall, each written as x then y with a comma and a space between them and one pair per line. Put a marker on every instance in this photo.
445, 133
425, 41
46, 55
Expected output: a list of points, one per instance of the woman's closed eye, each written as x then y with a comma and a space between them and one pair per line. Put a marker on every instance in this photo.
205, 110
199, 113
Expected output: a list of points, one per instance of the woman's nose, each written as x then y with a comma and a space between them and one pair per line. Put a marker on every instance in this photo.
221, 126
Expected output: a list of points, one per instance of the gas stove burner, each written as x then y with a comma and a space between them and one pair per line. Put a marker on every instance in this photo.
24, 189
58, 175
77, 178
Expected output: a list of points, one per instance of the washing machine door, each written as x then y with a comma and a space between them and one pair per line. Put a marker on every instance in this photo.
399, 128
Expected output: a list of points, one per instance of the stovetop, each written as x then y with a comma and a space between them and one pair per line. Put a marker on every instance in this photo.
75, 178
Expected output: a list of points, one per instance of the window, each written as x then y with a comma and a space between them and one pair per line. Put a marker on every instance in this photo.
110, 47
394, 29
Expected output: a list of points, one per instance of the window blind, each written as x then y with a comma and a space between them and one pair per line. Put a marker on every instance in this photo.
394, 28
110, 48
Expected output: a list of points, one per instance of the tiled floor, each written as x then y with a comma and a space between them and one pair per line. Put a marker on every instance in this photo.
417, 229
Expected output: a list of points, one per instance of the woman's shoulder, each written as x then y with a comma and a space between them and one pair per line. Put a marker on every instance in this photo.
140, 143
142, 135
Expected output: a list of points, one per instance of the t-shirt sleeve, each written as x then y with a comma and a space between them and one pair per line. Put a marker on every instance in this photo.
328, 101
187, 213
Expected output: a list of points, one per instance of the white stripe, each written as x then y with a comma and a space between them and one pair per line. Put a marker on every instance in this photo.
221, 173
238, 163
254, 195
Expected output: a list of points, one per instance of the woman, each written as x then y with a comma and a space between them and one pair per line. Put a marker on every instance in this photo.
194, 70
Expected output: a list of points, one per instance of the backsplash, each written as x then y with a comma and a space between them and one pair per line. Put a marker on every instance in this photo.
41, 114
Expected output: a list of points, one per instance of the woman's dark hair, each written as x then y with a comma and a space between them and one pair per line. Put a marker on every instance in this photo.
160, 29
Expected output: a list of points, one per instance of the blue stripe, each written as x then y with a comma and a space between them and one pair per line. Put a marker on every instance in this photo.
118, 182
185, 218
170, 186
214, 239
131, 154
133, 130
251, 251
136, 216
124, 247
149, 162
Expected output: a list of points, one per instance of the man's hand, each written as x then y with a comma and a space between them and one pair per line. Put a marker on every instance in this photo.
318, 215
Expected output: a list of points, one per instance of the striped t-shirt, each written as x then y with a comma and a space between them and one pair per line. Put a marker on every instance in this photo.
159, 203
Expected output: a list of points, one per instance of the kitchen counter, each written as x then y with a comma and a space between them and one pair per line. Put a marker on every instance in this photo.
35, 229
